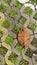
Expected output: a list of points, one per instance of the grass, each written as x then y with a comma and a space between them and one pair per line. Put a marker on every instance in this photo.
12, 58
36, 60
28, 11
12, 14
1, 22
7, 1
29, 52
34, 42
24, 62
19, 48
16, 29
3, 51
32, 26
35, 16
6, 23
22, 20
9, 40
1, 33
3, 8
34, 1
0, 62
17, 5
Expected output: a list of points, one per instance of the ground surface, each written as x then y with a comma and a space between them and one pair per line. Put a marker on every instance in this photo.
16, 16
